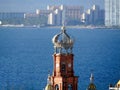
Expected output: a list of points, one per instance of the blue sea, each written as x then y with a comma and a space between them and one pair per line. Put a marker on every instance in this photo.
26, 57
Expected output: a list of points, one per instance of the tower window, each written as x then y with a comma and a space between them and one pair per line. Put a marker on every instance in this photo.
63, 67
56, 87
69, 87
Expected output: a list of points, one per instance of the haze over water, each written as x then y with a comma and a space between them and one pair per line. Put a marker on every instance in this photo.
32, 5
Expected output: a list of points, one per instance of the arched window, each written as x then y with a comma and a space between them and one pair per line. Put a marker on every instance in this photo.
69, 87
56, 87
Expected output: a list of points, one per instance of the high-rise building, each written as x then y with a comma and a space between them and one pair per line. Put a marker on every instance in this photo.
58, 17
102, 17
112, 13
12, 17
65, 14
51, 19
88, 17
63, 77
73, 13
55, 17
96, 12
93, 16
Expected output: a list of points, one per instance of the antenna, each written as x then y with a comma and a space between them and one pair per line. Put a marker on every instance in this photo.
63, 17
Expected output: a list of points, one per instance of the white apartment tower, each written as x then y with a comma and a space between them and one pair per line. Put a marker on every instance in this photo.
51, 19
112, 13
62, 14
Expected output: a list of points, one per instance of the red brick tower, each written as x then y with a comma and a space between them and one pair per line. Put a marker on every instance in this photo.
63, 74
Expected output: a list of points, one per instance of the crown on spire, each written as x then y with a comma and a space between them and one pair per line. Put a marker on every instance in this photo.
63, 43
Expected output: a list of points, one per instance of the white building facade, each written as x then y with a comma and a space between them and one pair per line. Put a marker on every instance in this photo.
63, 14
93, 16
112, 13
51, 19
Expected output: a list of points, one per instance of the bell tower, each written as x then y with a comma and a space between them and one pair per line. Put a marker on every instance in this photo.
63, 74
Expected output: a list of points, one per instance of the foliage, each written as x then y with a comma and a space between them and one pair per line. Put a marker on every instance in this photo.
41, 20
14, 21
72, 21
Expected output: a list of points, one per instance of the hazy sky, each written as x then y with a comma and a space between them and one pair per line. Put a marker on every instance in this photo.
32, 5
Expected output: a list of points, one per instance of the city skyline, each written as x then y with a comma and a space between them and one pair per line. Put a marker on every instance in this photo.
32, 5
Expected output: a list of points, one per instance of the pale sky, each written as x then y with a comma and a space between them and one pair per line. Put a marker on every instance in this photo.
32, 5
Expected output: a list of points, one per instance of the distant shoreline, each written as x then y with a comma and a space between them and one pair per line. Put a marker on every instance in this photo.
79, 27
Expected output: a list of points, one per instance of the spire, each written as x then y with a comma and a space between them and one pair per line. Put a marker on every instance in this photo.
91, 85
91, 78
63, 26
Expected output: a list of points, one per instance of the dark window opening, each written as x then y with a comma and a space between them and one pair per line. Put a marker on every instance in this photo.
63, 67
56, 87
69, 87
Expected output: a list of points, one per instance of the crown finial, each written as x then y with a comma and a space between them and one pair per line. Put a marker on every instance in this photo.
63, 43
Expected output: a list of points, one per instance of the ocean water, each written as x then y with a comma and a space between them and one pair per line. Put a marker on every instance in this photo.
26, 57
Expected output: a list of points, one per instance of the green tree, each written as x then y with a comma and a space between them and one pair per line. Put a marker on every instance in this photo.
41, 20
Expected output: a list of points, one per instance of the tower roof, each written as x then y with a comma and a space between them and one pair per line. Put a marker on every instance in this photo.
91, 87
63, 41
49, 85
118, 84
